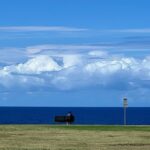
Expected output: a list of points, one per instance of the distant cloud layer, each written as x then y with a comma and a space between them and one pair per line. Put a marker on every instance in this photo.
47, 69
70, 29
40, 28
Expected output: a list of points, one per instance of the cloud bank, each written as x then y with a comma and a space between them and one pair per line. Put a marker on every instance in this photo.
68, 71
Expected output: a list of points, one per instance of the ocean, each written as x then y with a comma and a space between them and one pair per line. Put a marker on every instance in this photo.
83, 115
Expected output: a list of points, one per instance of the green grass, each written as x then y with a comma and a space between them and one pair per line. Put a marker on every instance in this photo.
105, 128
58, 137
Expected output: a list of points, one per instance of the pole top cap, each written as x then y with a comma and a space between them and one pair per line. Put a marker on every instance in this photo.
125, 102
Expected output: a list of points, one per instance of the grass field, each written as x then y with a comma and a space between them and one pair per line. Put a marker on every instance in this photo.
47, 137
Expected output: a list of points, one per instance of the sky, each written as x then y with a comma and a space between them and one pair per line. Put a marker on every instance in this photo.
78, 53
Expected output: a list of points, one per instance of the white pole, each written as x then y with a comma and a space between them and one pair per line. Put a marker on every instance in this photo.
125, 117
125, 104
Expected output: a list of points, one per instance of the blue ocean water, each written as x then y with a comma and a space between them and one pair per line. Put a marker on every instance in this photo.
83, 115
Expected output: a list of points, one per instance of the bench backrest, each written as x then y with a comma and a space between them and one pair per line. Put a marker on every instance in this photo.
64, 119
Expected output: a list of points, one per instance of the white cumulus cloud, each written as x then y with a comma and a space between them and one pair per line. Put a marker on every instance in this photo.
34, 66
71, 71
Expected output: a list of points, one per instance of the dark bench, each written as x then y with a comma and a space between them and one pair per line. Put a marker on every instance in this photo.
66, 119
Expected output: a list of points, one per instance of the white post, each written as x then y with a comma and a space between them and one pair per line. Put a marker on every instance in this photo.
125, 104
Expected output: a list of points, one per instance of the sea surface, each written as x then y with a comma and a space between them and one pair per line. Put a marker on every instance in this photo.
83, 115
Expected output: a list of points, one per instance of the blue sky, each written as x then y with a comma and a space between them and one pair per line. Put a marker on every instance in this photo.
74, 52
